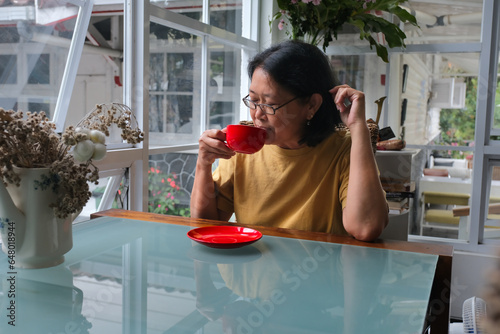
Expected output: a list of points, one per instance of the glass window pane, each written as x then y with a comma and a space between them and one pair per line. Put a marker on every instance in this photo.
9, 35
171, 178
492, 224
8, 103
221, 114
226, 15
442, 23
119, 200
444, 184
439, 109
170, 114
496, 113
190, 8
8, 69
224, 87
349, 70
33, 54
174, 86
39, 106
40, 68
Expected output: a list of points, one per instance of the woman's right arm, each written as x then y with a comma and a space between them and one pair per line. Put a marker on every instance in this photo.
203, 195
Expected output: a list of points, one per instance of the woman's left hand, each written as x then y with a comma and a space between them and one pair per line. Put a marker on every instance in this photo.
365, 214
351, 104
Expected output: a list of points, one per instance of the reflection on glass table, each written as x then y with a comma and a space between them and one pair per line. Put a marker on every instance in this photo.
130, 276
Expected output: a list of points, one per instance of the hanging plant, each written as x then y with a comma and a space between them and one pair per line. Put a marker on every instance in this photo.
319, 21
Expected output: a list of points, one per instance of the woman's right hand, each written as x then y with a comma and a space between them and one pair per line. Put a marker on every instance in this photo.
212, 147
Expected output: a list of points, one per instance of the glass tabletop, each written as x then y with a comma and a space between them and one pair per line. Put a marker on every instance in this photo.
127, 276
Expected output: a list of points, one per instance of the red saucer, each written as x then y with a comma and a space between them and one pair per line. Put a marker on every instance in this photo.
224, 236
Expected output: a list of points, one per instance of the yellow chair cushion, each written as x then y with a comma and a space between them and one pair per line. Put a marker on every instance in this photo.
441, 216
436, 197
493, 217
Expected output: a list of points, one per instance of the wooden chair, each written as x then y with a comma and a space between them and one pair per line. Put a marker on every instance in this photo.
450, 211
437, 209
490, 231
436, 172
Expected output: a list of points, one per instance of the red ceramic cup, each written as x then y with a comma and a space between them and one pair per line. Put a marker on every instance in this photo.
244, 138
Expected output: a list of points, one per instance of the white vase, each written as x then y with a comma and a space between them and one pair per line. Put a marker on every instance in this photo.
32, 236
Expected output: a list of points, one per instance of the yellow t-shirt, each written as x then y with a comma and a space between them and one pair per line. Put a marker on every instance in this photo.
302, 189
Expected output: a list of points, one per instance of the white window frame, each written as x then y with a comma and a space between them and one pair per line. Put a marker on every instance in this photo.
137, 18
485, 151
74, 55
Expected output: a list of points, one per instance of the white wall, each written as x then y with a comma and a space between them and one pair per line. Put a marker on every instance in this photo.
469, 274
373, 89
94, 84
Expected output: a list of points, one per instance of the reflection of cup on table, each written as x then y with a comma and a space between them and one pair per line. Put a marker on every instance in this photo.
244, 138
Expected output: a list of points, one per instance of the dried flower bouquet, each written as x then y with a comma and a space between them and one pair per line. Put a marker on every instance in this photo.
32, 142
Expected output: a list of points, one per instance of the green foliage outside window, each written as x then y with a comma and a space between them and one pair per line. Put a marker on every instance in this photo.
458, 125
163, 194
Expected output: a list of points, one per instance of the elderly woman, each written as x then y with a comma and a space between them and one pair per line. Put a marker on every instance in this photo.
308, 176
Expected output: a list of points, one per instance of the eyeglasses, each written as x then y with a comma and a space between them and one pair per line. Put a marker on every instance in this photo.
266, 108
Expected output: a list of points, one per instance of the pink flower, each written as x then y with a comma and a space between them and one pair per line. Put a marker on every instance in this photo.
172, 197
295, 1
316, 2
159, 205
172, 184
281, 24
306, 1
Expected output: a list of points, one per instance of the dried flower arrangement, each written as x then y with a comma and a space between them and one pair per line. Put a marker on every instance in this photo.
319, 21
32, 142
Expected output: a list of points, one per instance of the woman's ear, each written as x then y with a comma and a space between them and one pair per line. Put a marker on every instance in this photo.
314, 103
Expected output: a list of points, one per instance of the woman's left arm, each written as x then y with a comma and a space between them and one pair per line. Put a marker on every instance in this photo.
365, 214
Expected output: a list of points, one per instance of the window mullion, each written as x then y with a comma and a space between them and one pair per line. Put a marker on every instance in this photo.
204, 110
71, 69
485, 105
135, 92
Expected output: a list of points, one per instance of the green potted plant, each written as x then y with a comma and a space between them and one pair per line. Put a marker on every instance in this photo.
319, 21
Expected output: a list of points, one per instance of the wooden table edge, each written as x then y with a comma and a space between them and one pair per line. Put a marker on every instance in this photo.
416, 247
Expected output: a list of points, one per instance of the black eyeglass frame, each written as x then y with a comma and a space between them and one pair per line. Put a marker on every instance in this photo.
247, 102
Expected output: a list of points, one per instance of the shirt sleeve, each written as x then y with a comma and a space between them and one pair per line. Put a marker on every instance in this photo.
344, 180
